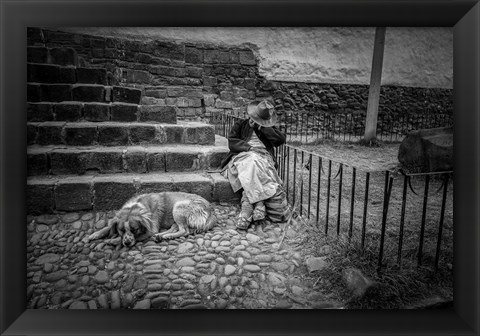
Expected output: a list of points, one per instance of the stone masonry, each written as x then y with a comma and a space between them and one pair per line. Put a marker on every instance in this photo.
92, 144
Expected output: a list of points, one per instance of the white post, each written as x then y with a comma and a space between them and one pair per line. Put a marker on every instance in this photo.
375, 84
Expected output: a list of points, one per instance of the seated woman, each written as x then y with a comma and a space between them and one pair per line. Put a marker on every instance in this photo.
251, 165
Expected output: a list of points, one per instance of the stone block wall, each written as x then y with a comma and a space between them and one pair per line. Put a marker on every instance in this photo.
201, 79
314, 98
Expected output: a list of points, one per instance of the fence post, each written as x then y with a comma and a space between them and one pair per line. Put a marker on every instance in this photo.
440, 224
352, 203
402, 221
328, 195
386, 203
424, 212
339, 209
365, 207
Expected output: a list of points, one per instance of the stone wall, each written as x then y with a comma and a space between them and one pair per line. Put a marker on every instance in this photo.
201, 79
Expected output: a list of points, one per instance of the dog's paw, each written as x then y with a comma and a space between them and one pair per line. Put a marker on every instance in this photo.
157, 238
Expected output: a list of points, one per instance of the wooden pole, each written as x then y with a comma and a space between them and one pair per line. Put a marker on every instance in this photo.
375, 84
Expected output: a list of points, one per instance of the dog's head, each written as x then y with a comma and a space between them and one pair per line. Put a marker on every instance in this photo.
130, 222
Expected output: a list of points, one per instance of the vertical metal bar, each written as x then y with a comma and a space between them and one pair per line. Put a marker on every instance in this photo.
352, 203
440, 224
365, 206
339, 208
424, 212
301, 182
328, 195
318, 185
402, 220
386, 203
310, 168
294, 174
288, 171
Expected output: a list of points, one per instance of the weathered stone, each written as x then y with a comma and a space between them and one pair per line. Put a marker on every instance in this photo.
78, 305
356, 282
102, 277
252, 268
316, 264
229, 270
47, 258
143, 304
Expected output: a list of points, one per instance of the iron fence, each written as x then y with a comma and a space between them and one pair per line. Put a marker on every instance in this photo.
376, 210
306, 128
392, 215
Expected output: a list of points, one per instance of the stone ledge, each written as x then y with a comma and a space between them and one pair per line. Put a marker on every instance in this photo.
109, 192
60, 160
119, 133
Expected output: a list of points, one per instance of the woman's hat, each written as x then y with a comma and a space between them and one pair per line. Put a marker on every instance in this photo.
262, 113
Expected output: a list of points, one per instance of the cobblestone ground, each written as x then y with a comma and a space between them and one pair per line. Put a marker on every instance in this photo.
222, 268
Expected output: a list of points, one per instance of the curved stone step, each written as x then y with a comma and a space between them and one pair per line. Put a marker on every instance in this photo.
118, 133
110, 192
61, 160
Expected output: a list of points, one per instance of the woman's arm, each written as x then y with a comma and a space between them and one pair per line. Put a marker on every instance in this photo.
235, 143
273, 135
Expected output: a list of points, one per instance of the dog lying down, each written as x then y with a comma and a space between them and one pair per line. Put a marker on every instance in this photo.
146, 215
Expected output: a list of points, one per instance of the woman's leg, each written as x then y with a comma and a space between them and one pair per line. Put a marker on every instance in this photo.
259, 211
246, 213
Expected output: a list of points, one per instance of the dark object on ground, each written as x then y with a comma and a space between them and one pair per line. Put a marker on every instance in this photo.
429, 150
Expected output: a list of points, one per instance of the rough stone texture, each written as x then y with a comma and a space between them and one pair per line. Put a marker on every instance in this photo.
316, 264
112, 193
143, 134
126, 95
158, 113
40, 197
73, 194
96, 112
80, 134
92, 76
89, 93
56, 92
124, 112
63, 56
429, 150
49, 133
39, 112
68, 111
193, 183
37, 164
112, 135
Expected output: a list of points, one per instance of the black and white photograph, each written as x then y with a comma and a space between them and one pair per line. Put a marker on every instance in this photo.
240, 168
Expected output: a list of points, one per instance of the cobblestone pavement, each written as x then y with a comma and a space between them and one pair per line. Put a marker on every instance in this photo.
222, 268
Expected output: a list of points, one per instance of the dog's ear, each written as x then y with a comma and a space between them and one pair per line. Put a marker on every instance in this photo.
146, 221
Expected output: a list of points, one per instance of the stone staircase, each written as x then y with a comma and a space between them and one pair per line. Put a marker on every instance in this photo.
92, 146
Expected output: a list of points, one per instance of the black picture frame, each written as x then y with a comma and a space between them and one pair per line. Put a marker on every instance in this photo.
16, 16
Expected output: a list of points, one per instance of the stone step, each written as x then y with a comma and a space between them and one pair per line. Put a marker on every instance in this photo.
110, 192
57, 55
57, 74
54, 92
74, 111
118, 133
61, 160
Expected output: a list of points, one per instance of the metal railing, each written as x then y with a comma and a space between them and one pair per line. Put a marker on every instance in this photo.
378, 211
305, 128
372, 208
